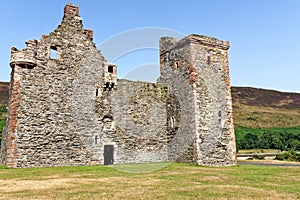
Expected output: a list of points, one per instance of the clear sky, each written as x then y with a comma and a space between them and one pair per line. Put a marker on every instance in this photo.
264, 34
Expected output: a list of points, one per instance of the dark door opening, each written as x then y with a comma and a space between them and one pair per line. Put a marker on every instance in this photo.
108, 154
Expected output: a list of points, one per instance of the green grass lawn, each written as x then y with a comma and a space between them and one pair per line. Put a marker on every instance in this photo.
175, 181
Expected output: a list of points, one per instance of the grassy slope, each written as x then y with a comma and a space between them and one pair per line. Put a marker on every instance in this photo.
257, 111
177, 181
259, 108
265, 116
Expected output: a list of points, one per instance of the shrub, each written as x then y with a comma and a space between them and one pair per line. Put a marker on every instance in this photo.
258, 157
289, 156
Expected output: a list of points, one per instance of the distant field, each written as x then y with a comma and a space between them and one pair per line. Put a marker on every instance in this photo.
176, 181
265, 117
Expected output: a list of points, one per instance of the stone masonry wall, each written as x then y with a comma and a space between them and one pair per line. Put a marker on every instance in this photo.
176, 76
139, 112
215, 133
45, 133
200, 64
66, 103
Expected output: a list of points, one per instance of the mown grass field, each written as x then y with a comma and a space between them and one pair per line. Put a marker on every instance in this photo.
176, 181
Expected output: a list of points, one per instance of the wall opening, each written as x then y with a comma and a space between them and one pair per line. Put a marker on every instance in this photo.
208, 59
53, 52
97, 92
96, 139
176, 65
110, 69
108, 154
107, 123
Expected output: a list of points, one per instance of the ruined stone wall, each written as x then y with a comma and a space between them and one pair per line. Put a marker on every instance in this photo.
215, 133
66, 103
41, 115
139, 110
131, 117
196, 69
177, 77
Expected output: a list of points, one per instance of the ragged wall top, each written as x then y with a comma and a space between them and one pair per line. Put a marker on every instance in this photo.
42, 102
202, 62
213, 101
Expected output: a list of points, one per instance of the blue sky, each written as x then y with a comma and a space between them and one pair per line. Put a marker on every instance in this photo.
264, 34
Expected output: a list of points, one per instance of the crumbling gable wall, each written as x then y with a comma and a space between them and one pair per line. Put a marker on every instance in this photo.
40, 128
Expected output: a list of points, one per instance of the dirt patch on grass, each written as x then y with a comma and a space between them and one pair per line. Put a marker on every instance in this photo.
16, 185
8, 186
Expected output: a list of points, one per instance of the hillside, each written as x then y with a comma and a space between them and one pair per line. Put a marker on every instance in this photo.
4, 91
4, 88
261, 108
252, 107
262, 97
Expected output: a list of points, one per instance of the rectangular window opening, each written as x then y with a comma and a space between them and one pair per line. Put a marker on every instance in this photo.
53, 52
96, 139
110, 69
208, 59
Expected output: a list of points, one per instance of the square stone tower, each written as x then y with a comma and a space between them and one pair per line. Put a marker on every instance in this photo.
196, 71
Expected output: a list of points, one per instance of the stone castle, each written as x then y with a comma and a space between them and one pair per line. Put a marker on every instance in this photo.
67, 107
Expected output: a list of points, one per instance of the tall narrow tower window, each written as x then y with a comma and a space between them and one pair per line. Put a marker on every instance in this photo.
208, 59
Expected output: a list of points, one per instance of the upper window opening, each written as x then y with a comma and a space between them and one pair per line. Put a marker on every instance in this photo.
208, 59
53, 52
110, 69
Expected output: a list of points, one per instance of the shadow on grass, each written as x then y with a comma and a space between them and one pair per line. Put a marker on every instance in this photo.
141, 168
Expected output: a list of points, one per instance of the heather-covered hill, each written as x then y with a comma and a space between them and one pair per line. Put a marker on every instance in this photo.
261, 108
4, 91
262, 97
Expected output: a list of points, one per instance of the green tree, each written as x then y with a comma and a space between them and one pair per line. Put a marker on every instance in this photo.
265, 140
250, 141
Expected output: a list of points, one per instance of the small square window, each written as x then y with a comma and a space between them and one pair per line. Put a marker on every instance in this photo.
110, 69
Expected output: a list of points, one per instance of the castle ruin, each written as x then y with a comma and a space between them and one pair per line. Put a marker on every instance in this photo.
67, 107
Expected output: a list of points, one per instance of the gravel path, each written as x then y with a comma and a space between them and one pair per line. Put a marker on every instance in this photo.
270, 164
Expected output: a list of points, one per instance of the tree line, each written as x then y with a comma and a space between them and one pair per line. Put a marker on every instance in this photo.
269, 140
